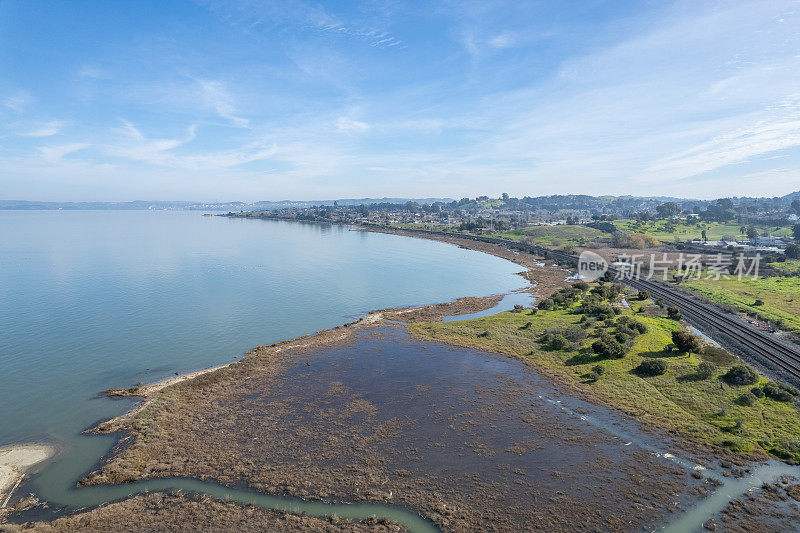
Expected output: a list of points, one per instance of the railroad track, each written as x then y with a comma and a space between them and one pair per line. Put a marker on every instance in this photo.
758, 342
763, 345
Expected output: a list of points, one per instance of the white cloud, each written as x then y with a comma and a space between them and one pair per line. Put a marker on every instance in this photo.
18, 102
348, 124
59, 151
45, 129
218, 97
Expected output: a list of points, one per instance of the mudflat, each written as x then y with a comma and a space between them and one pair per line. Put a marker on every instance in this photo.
468, 439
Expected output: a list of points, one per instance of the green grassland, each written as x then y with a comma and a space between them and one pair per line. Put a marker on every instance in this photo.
556, 235
705, 409
668, 231
787, 268
780, 296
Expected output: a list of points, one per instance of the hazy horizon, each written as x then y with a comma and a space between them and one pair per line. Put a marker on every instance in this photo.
299, 99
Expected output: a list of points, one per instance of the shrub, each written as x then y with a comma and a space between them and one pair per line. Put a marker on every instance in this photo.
660, 302
779, 392
581, 285
526, 326
686, 342
758, 392
638, 326
547, 305
559, 342
741, 375
599, 369
593, 376
517, 308
643, 295
674, 313
706, 370
758, 303
747, 399
575, 333
608, 348
652, 367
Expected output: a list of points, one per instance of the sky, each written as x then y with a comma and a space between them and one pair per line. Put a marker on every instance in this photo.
252, 100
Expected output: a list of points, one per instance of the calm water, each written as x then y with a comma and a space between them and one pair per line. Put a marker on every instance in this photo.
98, 299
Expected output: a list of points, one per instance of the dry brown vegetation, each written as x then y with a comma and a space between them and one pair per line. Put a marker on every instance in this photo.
180, 512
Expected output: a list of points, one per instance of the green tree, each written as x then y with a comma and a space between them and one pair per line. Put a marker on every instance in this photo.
667, 210
796, 232
793, 251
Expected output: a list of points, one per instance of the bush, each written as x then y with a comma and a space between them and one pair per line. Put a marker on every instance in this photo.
608, 348
643, 295
741, 375
706, 370
547, 305
758, 392
779, 392
660, 302
686, 342
581, 285
575, 333
758, 303
599, 369
652, 367
638, 326
747, 399
674, 313
559, 342
517, 308
593, 376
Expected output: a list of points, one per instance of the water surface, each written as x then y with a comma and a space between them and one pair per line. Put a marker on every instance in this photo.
97, 299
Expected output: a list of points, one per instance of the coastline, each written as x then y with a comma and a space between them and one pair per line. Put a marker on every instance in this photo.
16, 461
217, 378
543, 280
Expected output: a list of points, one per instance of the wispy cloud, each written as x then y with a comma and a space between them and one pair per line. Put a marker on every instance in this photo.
18, 102
217, 96
45, 129
348, 124
59, 151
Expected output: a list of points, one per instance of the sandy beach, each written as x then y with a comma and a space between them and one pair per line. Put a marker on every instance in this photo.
15, 461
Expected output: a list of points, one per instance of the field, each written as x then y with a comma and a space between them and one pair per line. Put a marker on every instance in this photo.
705, 409
668, 231
787, 268
556, 235
780, 296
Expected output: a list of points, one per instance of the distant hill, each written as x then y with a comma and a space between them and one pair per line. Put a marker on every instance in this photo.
161, 205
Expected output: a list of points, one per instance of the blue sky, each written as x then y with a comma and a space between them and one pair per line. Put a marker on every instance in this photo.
262, 100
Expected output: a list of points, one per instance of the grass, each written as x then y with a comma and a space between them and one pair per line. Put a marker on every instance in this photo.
706, 410
556, 235
790, 267
668, 231
781, 296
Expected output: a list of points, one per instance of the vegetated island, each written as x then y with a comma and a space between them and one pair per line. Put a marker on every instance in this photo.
482, 423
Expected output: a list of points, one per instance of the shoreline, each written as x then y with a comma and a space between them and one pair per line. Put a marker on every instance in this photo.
16, 461
325, 338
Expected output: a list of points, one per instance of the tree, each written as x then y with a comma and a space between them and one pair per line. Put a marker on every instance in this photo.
752, 232
796, 232
686, 342
668, 210
793, 251
704, 236
674, 313
505, 197
796, 205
